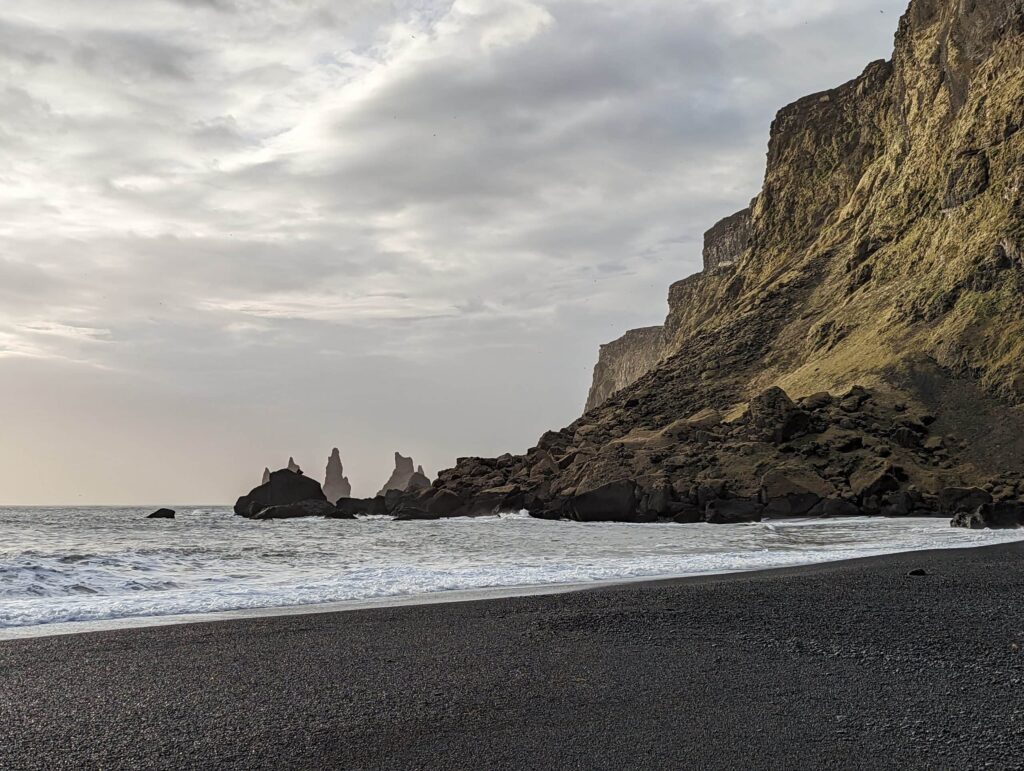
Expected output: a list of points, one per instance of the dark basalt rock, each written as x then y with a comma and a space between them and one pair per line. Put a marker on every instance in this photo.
957, 500
775, 414
352, 507
284, 488
792, 491
299, 510
732, 512
1007, 515
835, 507
612, 502
874, 479
411, 514
162, 514
445, 503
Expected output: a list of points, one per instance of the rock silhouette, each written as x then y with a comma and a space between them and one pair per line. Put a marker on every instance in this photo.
405, 473
285, 488
336, 484
293, 466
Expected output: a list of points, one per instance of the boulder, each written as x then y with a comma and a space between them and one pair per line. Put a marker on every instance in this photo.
446, 504
284, 488
299, 510
1007, 515
793, 491
874, 478
611, 502
775, 415
958, 500
685, 514
835, 507
734, 511
495, 500
413, 514
162, 514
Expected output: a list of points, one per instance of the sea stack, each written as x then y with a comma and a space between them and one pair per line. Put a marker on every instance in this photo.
405, 474
336, 484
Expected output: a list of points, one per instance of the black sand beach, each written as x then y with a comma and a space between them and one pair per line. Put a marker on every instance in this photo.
852, 665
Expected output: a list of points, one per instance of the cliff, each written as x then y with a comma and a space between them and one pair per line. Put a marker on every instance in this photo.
884, 250
624, 361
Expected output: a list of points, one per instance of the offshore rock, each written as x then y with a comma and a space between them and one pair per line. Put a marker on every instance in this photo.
298, 510
403, 474
349, 508
336, 484
162, 514
284, 489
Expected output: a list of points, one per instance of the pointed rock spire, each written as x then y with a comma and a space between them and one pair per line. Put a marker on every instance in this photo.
266, 475
336, 484
404, 473
293, 466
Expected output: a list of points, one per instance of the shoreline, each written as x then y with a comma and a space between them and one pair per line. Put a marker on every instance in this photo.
454, 596
843, 664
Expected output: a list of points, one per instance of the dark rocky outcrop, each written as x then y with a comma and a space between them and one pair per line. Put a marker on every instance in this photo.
336, 484
162, 514
285, 488
307, 508
266, 476
293, 466
733, 512
348, 508
610, 502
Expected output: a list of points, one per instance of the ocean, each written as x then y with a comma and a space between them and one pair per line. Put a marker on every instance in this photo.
97, 567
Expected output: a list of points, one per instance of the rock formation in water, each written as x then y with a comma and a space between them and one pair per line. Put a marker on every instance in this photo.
336, 484
405, 473
856, 340
287, 495
162, 514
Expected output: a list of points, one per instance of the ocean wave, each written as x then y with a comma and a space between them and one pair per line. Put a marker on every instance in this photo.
114, 565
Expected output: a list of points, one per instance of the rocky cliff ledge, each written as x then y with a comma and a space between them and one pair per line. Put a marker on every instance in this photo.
624, 361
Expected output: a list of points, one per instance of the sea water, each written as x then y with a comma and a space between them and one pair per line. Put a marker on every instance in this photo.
60, 565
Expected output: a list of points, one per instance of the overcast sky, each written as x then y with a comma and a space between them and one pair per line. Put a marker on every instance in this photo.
237, 230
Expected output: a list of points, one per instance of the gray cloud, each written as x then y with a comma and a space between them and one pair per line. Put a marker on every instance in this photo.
237, 230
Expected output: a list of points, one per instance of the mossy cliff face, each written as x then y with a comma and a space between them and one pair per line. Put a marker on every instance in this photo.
886, 249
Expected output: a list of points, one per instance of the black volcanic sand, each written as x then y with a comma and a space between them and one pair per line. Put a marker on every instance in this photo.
853, 665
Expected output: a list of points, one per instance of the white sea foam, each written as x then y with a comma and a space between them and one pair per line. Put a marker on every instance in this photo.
70, 565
